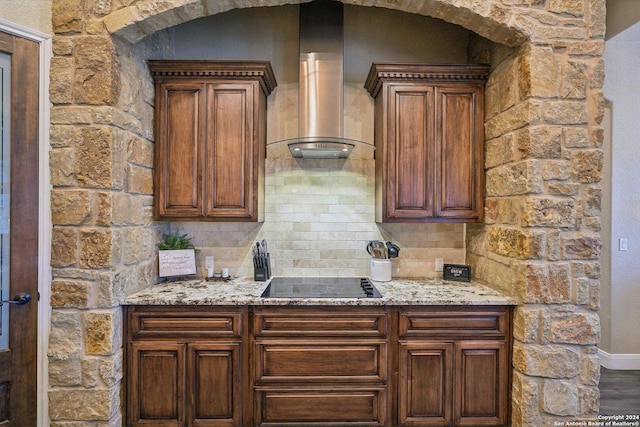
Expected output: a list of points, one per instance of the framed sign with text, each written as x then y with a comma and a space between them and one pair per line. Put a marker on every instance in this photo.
181, 262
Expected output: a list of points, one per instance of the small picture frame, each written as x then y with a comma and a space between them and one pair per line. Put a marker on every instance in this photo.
457, 272
179, 262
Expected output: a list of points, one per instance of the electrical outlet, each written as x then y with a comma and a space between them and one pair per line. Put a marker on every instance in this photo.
439, 264
209, 262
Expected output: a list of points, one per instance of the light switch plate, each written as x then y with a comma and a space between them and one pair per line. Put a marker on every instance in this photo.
622, 244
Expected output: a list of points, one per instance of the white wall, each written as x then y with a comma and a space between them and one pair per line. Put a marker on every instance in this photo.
34, 14
621, 316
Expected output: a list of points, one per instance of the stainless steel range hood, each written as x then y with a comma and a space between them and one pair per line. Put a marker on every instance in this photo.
321, 91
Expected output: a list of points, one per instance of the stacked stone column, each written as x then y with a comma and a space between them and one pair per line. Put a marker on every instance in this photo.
541, 239
103, 232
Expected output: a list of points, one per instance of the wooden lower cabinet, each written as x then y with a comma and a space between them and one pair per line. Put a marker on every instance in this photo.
215, 396
425, 384
481, 383
454, 366
157, 366
186, 367
336, 371
318, 366
198, 383
463, 383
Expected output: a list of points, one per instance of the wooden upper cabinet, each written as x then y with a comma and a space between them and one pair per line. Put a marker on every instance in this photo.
179, 146
210, 132
460, 152
230, 158
410, 153
429, 135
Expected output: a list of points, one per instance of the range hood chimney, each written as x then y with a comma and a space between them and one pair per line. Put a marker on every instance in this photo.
321, 92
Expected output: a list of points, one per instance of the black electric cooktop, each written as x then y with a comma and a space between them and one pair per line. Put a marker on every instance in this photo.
320, 287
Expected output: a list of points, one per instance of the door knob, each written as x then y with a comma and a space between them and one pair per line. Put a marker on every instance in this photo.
19, 299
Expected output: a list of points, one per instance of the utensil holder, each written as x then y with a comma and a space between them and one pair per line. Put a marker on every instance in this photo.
261, 268
381, 270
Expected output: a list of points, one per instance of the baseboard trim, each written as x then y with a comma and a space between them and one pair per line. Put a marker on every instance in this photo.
619, 361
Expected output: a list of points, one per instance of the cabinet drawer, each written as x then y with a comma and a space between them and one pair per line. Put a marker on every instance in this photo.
314, 361
322, 406
478, 322
313, 322
192, 323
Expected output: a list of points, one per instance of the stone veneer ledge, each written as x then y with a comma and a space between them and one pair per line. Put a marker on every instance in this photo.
540, 243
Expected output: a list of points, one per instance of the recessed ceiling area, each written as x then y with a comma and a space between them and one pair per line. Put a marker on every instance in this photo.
621, 14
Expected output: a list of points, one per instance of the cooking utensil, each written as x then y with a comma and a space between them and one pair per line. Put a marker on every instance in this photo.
382, 249
370, 248
376, 249
393, 250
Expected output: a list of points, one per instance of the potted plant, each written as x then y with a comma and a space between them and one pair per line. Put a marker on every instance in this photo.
176, 241
176, 255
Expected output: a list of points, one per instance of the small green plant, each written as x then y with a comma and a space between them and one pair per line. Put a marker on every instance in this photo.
175, 241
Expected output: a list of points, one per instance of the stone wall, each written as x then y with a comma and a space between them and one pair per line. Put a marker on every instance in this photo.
540, 242
541, 239
104, 236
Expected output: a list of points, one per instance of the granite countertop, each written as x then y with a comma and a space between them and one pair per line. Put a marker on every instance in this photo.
247, 292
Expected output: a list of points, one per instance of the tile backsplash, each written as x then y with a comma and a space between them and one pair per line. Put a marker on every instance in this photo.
319, 217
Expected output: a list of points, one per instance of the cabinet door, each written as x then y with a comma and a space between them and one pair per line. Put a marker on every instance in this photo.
216, 385
460, 155
410, 152
179, 145
425, 382
481, 383
156, 384
231, 150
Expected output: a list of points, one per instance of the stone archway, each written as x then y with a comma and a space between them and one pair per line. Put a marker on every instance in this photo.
540, 242
490, 19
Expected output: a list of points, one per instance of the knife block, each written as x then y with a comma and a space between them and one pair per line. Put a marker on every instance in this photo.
262, 268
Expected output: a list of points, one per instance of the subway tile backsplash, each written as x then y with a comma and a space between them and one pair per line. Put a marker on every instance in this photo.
319, 216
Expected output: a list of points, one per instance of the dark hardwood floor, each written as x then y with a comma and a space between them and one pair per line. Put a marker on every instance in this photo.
619, 392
